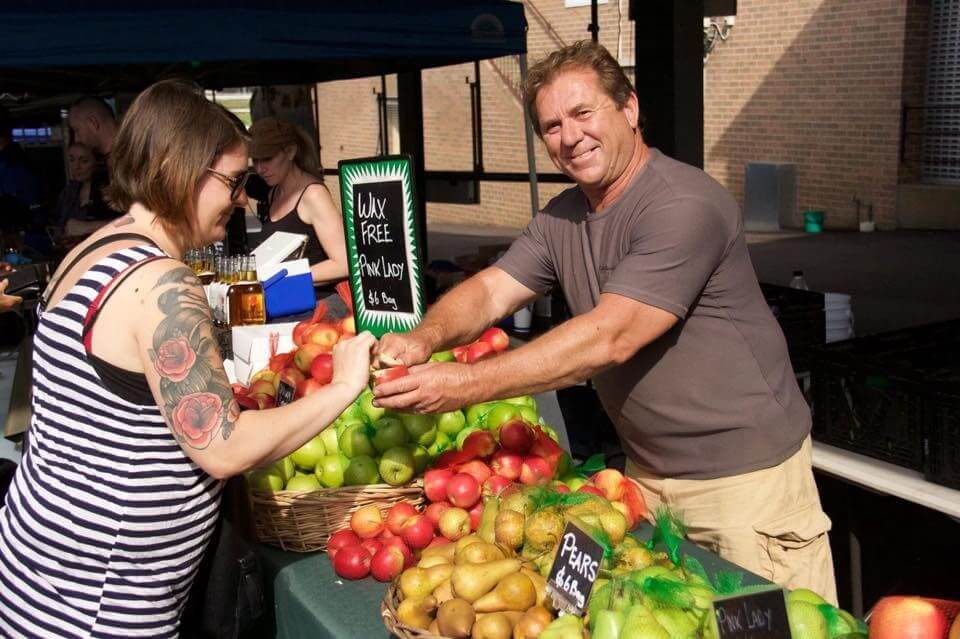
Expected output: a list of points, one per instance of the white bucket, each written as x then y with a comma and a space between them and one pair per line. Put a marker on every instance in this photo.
839, 317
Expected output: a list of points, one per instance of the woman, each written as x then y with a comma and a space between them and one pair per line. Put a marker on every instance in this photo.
134, 424
284, 157
81, 208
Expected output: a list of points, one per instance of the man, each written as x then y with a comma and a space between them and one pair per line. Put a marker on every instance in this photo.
669, 322
93, 125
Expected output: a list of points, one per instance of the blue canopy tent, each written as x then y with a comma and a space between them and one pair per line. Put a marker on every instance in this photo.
71, 46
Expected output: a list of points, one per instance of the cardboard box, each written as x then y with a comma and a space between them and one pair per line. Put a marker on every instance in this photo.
251, 347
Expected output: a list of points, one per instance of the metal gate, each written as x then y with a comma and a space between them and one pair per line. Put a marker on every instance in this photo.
941, 145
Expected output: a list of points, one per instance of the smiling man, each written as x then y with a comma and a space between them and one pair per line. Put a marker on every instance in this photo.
669, 322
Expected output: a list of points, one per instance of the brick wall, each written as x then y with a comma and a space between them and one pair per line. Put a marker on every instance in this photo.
914, 76
818, 83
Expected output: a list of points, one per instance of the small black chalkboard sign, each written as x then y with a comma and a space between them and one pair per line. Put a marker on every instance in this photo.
284, 393
757, 615
380, 229
574, 570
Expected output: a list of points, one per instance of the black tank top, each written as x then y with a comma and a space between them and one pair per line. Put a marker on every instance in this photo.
291, 223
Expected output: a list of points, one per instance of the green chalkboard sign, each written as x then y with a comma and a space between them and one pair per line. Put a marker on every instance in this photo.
383, 247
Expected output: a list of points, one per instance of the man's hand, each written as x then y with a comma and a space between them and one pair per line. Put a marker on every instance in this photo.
408, 349
8, 302
431, 388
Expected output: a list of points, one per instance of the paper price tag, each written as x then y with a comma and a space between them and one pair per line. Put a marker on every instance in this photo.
284, 394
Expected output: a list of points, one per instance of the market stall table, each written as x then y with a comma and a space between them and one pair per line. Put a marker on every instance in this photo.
307, 600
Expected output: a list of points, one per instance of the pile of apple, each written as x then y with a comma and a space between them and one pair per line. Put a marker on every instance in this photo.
492, 341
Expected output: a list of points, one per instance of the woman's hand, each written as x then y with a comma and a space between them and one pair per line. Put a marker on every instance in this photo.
8, 302
351, 361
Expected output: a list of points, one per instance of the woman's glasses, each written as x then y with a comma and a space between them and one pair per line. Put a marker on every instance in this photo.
235, 184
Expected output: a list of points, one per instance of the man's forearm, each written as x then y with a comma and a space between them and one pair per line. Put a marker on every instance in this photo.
459, 316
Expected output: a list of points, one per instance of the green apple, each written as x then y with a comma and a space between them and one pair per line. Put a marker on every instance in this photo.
352, 413
397, 466
574, 483
501, 413
361, 470
388, 433
284, 467
451, 423
354, 441
422, 428
529, 414
266, 481
462, 435
443, 356
421, 458
439, 445
522, 400
303, 482
329, 437
330, 470
477, 412
307, 456
372, 413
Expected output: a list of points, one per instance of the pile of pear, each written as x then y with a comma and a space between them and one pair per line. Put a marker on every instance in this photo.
476, 589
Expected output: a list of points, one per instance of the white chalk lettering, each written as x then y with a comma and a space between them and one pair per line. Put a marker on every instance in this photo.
375, 233
373, 207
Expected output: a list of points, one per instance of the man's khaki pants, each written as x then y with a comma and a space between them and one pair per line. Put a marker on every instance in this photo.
768, 521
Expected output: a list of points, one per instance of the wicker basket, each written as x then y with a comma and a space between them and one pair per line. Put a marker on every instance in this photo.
303, 521
388, 610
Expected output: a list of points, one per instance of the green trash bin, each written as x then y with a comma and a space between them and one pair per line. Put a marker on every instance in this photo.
813, 221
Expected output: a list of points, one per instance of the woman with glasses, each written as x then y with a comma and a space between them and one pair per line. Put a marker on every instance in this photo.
134, 424
298, 202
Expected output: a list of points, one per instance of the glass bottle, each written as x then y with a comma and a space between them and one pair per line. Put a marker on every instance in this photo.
245, 296
798, 281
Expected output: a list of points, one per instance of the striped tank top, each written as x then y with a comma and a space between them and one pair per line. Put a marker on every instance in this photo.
106, 520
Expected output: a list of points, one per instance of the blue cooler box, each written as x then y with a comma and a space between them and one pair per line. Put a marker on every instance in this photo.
287, 288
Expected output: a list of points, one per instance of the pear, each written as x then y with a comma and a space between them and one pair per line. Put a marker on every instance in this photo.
514, 592
479, 553
434, 628
640, 623
508, 528
675, 621
436, 575
543, 529
806, 621
446, 550
430, 561
443, 592
614, 524
634, 558
565, 627
462, 543
519, 502
495, 626
600, 598
539, 584
472, 581
455, 619
417, 613
513, 616
532, 623
417, 583
607, 624
487, 520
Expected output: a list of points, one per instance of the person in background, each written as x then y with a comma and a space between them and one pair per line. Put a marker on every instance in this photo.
298, 202
7, 302
81, 208
20, 193
669, 323
134, 424
93, 124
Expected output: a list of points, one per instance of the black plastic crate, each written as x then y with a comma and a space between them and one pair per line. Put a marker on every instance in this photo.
942, 443
802, 319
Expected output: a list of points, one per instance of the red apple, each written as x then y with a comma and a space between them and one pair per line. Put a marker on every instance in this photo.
303, 358
372, 546
593, 490
535, 471
622, 508
455, 523
264, 401
367, 521
281, 361
398, 515
610, 482
480, 471
907, 618
463, 490
417, 532
307, 387
478, 351
435, 511
262, 387
341, 539
453, 459
386, 535
348, 326
435, 483
496, 337
460, 353
322, 334
560, 487
634, 500
352, 562
439, 541
384, 375
506, 464
475, 514
246, 401
480, 443
292, 376
387, 564
321, 369
495, 485
397, 542
516, 436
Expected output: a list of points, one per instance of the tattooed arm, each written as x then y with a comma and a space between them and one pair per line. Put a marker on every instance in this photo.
185, 373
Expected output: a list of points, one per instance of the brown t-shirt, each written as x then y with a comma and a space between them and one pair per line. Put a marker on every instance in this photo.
716, 395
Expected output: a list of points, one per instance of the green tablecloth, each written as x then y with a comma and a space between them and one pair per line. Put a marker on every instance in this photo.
309, 601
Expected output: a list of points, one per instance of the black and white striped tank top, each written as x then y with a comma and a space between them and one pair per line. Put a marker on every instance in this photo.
106, 521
